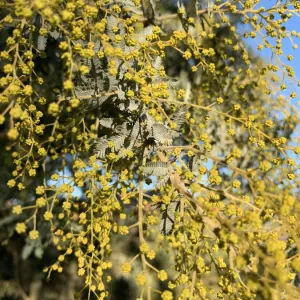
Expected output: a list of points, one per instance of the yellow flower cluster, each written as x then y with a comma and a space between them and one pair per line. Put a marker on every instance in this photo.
233, 154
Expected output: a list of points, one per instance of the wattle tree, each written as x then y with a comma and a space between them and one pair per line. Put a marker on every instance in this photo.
148, 150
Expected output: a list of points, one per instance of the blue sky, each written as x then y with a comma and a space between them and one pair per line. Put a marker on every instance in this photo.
287, 47
292, 24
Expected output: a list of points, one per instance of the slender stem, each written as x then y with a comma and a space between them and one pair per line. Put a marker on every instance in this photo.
193, 284
151, 267
133, 259
140, 208
92, 212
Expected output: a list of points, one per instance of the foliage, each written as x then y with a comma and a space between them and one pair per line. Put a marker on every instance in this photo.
146, 142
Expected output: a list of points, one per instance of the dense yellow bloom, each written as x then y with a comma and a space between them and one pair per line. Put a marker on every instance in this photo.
13, 134
144, 248
122, 94
236, 184
81, 272
126, 267
162, 275
39, 190
123, 230
17, 209
48, 215
33, 234
21, 228
140, 279
167, 295
40, 202
151, 254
